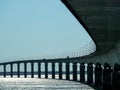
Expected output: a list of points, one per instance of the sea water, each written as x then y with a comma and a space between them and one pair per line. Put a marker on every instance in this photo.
40, 84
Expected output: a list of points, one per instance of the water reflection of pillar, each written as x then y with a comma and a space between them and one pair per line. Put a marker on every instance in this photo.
74, 71
46, 70
11, 67
4, 67
53, 70
82, 72
25, 70
39, 70
32, 70
67, 71
18, 69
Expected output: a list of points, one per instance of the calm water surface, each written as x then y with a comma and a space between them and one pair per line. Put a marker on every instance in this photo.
40, 84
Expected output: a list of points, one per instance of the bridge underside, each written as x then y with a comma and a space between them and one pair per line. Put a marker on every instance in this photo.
100, 18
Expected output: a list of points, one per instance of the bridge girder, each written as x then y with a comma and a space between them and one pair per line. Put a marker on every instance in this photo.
100, 18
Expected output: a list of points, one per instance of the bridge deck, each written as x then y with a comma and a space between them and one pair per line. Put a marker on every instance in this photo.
101, 18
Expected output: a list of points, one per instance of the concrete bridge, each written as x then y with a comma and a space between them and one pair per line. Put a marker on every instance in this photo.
95, 75
101, 19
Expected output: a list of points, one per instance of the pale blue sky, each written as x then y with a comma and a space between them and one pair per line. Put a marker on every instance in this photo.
32, 28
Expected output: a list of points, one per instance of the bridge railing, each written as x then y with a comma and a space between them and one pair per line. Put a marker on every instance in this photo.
85, 50
89, 73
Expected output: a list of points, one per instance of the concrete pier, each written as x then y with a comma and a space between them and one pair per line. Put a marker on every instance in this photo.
11, 68
39, 70
32, 70
46, 70
90, 73
18, 70
98, 74
53, 70
74, 71
4, 68
60, 70
82, 72
67, 71
25, 70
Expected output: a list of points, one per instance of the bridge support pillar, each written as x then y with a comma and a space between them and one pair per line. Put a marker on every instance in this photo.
25, 70
82, 72
53, 70
4, 68
11, 67
39, 70
116, 77
18, 70
90, 73
67, 71
75, 71
46, 70
98, 74
32, 70
60, 70
107, 80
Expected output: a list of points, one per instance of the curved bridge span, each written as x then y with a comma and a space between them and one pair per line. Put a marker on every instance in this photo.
90, 73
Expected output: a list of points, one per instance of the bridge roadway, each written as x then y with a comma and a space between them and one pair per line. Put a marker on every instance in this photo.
70, 60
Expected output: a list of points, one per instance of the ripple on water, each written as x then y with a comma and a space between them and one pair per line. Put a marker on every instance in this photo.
40, 84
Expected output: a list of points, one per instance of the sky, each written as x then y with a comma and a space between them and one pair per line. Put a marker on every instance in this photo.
35, 28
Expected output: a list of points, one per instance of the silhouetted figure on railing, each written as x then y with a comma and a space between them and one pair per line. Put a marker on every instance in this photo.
116, 77
90, 73
82, 72
98, 74
107, 77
